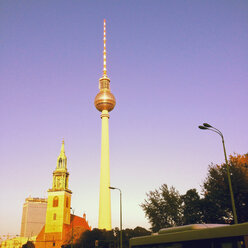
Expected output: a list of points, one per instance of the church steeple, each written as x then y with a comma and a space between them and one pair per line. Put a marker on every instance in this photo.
62, 159
59, 198
60, 175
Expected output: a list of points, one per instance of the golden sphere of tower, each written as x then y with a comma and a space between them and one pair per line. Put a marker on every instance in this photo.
104, 100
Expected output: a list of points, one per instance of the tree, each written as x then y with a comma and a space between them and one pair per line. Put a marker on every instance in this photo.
163, 208
166, 207
98, 237
130, 233
29, 244
107, 239
217, 204
140, 231
192, 207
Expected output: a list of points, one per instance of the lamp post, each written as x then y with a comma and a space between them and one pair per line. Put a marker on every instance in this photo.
73, 210
120, 215
206, 126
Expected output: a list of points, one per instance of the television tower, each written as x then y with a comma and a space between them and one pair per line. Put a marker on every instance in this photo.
104, 102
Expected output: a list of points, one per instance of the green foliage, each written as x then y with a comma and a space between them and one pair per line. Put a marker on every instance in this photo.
166, 207
192, 207
108, 239
97, 237
217, 206
163, 208
130, 233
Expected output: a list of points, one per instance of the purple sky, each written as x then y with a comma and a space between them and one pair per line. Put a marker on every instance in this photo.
172, 64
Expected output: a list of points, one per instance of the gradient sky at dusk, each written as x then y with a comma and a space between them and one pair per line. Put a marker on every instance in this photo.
172, 64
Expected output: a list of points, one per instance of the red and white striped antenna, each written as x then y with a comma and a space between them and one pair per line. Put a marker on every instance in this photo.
104, 50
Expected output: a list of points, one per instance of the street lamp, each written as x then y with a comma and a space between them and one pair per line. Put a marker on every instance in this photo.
206, 126
120, 215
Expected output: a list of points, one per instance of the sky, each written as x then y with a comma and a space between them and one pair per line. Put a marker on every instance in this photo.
172, 64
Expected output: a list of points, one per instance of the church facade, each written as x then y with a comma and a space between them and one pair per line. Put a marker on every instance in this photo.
61, 226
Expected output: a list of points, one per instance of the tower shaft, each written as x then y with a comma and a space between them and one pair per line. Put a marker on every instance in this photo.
104, 102
104, 221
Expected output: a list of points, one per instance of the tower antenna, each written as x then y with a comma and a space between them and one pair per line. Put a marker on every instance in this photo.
104, 50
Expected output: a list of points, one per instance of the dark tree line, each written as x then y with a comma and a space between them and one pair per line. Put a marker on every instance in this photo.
165, 207
107, 239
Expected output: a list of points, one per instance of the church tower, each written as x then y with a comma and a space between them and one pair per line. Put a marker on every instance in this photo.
59, 197
104, 102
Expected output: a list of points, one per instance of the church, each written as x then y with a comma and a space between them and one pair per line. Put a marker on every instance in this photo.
61, 226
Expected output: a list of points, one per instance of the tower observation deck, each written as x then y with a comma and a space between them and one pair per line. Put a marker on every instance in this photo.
104, 102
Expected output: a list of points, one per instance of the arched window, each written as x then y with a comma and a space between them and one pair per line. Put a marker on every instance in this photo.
67, 202
55, 201
54, 216
60, 163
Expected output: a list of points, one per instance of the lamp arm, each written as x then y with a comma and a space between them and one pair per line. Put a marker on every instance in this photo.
216, 131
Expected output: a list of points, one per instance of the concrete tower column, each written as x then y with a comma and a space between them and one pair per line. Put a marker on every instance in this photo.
104, 102
104, 221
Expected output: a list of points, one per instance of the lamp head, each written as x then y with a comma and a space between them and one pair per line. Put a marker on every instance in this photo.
206, 125
202, 127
